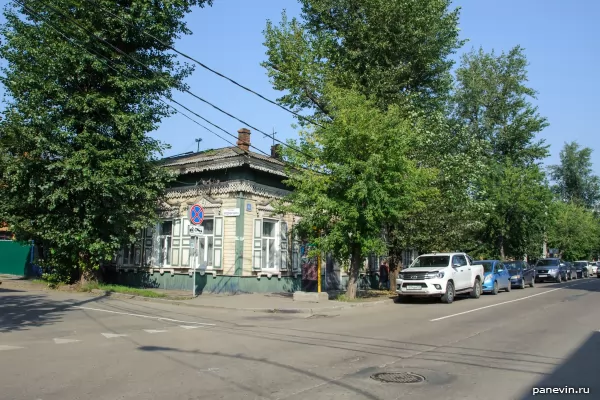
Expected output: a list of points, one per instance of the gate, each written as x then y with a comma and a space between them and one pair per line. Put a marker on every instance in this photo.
14, 257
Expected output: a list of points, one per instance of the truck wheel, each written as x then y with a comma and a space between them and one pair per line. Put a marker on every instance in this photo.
448, 297
495, 290
476, 292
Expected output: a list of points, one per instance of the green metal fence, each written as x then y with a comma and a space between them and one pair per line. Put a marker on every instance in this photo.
14, 258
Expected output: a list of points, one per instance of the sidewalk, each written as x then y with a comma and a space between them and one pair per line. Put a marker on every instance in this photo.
271, 303
251, 302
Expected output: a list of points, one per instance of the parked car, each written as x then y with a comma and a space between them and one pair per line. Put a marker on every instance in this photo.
521, 274
598, 273
550, 269
571, 270
586, 268
442, 275
594, 267
496, 276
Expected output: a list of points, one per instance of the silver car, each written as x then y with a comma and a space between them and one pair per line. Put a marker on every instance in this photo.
550, 269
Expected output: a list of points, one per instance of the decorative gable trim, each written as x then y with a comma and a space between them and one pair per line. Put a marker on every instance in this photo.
225, 188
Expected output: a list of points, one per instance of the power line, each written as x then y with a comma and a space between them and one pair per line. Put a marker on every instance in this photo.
206, 66
73, 41
67, 16
153, 72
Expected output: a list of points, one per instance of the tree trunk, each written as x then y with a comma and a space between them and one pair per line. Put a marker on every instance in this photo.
353, 272
395, 264
87, 272
501, 247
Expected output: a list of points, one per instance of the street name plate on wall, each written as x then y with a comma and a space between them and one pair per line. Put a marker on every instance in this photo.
231, 212
196, 230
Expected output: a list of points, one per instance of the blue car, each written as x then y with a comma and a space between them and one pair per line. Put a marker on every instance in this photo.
496, 276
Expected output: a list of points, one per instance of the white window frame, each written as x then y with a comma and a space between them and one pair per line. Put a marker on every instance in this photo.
281, 262
181, 255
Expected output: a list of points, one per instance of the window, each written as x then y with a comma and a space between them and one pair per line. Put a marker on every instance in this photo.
208, 248
460, 260
270, 245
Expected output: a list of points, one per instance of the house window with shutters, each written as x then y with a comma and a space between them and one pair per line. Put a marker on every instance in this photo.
174, 247
270, 245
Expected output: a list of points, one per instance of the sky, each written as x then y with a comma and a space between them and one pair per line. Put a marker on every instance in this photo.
561, 40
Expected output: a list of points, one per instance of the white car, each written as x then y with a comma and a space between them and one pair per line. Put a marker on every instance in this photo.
595, 267
441, 275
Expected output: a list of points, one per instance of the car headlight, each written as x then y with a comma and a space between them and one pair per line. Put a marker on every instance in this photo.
515, 277
488, 278
434, 275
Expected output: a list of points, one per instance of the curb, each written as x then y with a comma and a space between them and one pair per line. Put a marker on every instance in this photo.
286, 310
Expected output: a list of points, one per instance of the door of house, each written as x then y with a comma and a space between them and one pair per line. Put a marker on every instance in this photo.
201, 255
165, 243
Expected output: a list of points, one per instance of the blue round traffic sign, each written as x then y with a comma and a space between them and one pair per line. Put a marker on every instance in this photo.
196, 214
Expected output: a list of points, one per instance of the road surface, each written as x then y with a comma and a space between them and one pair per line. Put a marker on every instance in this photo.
56, 346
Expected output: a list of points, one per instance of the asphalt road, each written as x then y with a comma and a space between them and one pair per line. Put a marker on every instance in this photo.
55, 346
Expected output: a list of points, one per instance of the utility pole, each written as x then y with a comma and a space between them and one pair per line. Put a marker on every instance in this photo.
198, 141
274, 136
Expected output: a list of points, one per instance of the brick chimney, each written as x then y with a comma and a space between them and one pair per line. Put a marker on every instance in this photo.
244, 139
276, 151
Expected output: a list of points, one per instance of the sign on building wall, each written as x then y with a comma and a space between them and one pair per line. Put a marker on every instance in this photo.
231, 212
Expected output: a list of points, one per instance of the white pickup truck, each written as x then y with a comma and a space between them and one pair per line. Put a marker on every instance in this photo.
442, 275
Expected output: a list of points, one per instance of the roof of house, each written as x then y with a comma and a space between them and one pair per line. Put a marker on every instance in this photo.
226, 157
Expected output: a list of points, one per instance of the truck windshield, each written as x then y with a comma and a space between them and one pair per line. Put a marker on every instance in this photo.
431, 261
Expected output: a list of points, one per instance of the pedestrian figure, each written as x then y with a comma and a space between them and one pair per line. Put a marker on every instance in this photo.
384, 275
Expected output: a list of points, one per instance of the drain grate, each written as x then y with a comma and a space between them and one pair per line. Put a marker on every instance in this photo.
398, 377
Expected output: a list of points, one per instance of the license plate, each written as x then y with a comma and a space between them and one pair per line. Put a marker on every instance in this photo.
413, 287
543, 276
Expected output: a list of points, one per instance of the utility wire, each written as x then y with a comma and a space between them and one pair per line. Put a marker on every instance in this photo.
204, 65
67, 16
147, 68
108, 62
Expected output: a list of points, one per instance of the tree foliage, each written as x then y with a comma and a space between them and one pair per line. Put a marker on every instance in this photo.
573, 177
366, 179
574, 231
77, 167
391, 51
494, 103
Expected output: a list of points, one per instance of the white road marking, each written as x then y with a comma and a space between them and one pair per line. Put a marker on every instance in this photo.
190, 327
63, 341
3, 347
154, 330
143, 316
504, 302
112, 335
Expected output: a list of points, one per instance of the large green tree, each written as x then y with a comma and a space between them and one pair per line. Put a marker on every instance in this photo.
397, 54
365, 178
391, 51
493, 101
574, 178
77, 166
574, 231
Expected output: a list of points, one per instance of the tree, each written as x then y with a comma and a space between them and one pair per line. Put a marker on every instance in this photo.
391, 51
359, 188
363, 46
77, 165
493, 101
574, 178
574, 230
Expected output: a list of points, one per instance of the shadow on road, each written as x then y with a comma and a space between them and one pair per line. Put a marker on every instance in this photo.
22, 310
580, 370
242, 357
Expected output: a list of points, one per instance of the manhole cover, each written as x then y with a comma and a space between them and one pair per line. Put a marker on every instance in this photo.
398, 377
